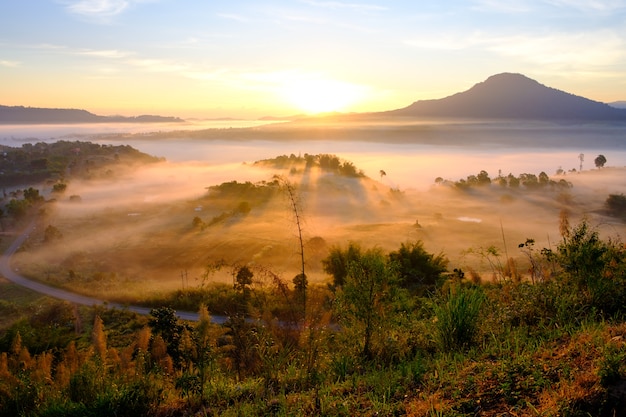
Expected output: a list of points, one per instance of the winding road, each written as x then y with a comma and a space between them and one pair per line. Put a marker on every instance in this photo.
15, 277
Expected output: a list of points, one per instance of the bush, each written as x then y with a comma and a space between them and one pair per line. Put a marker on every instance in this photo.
596, 269
457, 316
616, 205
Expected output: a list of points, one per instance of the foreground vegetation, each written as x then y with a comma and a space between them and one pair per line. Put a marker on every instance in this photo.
391, 334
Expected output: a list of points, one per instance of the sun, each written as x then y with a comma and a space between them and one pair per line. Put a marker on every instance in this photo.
320, 95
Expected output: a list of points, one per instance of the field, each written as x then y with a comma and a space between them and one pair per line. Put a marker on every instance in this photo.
148, 233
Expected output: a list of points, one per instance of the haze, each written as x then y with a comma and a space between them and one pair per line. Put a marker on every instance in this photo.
248, 59
137, 227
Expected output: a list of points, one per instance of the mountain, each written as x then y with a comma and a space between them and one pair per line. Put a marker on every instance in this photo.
618, 104
34, 115
512, 96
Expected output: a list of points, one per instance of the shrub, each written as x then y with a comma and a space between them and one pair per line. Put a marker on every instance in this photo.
616, 205
457, 316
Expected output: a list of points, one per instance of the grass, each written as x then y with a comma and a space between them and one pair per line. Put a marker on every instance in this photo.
482, 349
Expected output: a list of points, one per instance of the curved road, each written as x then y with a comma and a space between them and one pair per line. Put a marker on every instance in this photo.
8, 273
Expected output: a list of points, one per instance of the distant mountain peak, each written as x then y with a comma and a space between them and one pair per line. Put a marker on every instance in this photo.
512, 96
36, 115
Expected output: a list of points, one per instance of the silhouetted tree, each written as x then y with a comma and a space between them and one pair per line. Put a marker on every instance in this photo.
336, 263
581, 157
51, 233
600, 161
616, 204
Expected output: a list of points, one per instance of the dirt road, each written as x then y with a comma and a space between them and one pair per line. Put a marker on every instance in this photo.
14, 276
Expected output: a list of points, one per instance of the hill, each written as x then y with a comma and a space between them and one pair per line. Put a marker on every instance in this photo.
48, 162
512, 96
35, 115
618, 104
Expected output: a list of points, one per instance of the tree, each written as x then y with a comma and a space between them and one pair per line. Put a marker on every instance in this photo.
59, 187
416, 267
163, 322
336, 263
483, 178
382, 174
595, 268
52, 233
98, 338
17, 208
366, 298
616, 204
581, 157
32, 195
600, 161
243, 280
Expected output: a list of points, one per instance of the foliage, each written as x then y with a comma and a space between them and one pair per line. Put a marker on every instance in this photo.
457, 317
416, 267
365, 300
164, 322
34, 163
616, 205
596, 269
600, 161
526, 180
337, 261
59, 187
326, 162
52, 233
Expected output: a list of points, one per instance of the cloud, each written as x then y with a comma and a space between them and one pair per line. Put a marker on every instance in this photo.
591, 5
98, 8
335, 5
581, 50
9, 64
522, 6
502, 6
107, 53
235, 17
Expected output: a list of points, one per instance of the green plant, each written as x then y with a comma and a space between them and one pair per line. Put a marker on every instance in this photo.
611, 364
457, 316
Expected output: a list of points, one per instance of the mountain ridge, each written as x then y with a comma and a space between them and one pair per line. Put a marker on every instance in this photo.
512, 96
39, 115
506, 96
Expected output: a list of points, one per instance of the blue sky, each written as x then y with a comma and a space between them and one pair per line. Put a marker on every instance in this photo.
214, 58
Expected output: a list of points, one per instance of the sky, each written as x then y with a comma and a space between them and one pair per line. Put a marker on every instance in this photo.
250, 59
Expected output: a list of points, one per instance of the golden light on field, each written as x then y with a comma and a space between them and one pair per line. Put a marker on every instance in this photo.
320, 95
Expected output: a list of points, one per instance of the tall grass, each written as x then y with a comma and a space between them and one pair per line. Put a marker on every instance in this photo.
457, 318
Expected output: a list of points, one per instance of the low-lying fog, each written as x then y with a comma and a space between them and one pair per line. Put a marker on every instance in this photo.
138, 228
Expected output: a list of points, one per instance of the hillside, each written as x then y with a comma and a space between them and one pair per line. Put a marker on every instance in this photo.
33, 164
512, 96
34, 115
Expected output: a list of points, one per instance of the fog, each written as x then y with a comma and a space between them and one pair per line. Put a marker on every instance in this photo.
137, 227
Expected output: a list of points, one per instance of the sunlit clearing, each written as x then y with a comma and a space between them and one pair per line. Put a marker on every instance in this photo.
321, 95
